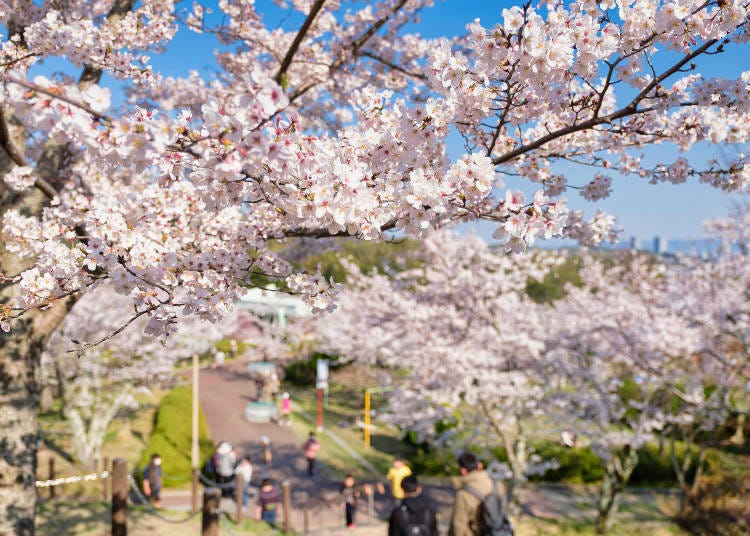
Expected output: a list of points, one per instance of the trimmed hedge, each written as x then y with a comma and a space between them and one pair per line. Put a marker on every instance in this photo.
172, 436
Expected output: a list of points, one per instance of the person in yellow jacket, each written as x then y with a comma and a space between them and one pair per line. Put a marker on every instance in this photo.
396, 473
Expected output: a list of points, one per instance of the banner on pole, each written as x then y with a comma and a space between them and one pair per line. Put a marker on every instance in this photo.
322, 376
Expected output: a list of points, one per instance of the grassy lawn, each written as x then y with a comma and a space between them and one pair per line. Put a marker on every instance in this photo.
564, 527
93, 518
125, 438
344, 405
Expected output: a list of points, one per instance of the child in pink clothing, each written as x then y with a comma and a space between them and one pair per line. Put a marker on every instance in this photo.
286, 408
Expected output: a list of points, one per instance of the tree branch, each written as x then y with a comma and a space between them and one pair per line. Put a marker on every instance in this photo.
92, 75
630, 109
18, 159
392, 65
297, 41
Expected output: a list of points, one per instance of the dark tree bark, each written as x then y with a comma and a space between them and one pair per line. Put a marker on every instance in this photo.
20, 354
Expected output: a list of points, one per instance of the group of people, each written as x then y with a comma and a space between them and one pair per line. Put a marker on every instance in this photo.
229, 470
479, 508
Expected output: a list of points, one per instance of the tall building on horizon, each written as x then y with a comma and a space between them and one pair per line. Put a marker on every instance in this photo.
661, 245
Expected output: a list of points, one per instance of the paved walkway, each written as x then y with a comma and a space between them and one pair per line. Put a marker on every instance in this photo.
224, 394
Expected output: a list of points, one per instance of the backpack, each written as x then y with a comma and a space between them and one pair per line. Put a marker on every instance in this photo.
493, 521
224, 465
416, 524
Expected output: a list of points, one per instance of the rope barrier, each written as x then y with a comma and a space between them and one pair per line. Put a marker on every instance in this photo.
226, 523
153, 510
71, 479
208, 482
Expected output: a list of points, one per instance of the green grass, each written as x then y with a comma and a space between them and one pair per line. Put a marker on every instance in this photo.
567, 527
172, 437
344, 406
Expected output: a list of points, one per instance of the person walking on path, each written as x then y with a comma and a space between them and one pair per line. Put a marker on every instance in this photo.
225, 461
396, 473
415, 516
152, 480
268, 503
245, 470
350, 493
267, 455
473, 483
310, 449
286, 409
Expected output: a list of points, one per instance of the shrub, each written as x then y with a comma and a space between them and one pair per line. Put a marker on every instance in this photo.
429, 461
172, 436
303, 373
719, 507
577, 464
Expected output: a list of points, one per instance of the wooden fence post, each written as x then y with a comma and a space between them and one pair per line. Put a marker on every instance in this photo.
287, 505
210, 524
105, 481
370, 507
239, 495
120, 488
194, 491
52, 476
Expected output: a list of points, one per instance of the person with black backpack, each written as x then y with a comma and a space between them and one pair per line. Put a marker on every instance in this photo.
480, 508
415, 516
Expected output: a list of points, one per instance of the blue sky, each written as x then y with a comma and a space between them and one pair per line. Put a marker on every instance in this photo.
643, 210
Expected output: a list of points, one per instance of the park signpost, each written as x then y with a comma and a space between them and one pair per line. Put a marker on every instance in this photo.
321, 386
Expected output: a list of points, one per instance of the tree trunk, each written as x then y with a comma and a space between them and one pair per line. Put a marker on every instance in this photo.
739, 434
616, 475
20, 353
20, 356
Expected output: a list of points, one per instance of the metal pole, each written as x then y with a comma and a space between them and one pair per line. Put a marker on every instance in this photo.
287, 505
194, 452
210, 522
239, 492
120, 488
320, 410
367, 418
105, 481
52, 476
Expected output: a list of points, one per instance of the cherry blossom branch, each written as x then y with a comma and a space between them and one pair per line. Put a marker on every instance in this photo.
630, 109
18, 159
59, 96
92, 75
392, 65
324, 233
83, 347
7, 144
281, 73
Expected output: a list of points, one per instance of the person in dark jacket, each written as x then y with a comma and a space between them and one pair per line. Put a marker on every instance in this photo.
152, 480
415, 515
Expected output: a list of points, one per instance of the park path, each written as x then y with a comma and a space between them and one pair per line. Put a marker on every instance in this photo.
224, 393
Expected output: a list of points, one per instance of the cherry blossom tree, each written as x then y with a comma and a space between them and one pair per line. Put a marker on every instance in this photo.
622, 350
97, 384
711, 293
336, 127
469, 335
